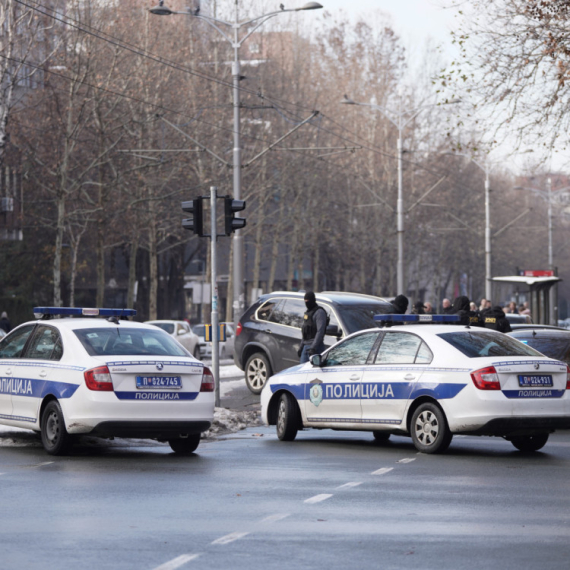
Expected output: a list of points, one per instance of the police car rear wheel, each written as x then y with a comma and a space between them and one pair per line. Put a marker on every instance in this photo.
55, 439
288, 418
530, 442
257, 371
381, 436
186, 445
430, 432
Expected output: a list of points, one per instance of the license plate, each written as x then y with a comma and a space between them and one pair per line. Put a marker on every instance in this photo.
159, 382
535, 381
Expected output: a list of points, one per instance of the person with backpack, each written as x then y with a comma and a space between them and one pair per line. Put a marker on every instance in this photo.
313, 329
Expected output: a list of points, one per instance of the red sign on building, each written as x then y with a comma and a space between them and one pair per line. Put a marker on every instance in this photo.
537, 273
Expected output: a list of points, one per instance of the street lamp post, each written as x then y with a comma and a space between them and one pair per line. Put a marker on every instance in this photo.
236, 43
402, 119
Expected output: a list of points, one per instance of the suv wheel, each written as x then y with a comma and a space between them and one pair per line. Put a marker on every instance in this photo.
257, 371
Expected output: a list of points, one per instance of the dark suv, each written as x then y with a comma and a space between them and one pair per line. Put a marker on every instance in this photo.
269, 333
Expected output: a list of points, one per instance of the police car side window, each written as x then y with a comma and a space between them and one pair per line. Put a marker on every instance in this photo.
13, 345
398, 348
43, 343
424, 355
353, 351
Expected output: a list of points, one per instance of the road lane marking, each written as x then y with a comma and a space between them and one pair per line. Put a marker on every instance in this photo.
382, 471
177, 562
317, 499
42, 464
406, 460
272, 518
350, 485
230, 538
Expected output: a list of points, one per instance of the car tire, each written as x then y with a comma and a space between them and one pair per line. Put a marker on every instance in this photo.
381, 436
55, 439
197, 352
429, 429
185, 445
257, 371
530, 442
288, 418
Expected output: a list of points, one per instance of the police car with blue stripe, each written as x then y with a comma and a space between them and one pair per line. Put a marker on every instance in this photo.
70, 374
427, 382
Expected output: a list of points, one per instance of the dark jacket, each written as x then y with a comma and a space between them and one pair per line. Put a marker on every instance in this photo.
400, 304
494, 318
314, 327
468, 317
5, 325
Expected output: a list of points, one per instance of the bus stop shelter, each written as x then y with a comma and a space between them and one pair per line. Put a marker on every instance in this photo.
543, 296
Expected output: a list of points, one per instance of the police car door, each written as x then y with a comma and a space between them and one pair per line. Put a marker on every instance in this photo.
39, 365
332, 395
387, 384
11, 349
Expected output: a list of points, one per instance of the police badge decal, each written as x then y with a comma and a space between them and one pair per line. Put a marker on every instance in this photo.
316, 391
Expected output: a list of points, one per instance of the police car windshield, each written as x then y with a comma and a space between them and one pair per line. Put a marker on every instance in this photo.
361, 316
134, 342
481, 344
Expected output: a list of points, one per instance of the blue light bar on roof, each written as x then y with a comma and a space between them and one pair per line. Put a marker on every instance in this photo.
83, 312
417, 318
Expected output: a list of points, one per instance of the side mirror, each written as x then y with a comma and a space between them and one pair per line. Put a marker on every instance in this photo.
333, 330
180, 331
316, 360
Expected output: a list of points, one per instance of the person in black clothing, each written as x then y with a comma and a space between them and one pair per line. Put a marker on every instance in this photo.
462, 309
313, 329
494, 318
418, 309
400, 304
5, 323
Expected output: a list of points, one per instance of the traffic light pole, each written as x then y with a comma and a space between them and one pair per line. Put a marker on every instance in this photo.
215, 327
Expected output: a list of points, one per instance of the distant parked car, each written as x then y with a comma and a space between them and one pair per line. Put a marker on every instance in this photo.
550, 342
226, 347
269, 332
181, 331
516, 319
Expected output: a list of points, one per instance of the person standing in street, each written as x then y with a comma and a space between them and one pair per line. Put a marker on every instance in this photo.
494, 319
400, 304
313, 330
5, 323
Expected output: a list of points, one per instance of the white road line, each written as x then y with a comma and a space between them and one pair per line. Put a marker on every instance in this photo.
230, 538
382, 471
43, 464
317, 499
350, 485
272, 518
177, 562
406, 460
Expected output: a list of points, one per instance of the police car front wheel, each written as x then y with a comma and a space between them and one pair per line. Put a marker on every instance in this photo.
288, 418
55, 439
185, 445
430, 432
530, 442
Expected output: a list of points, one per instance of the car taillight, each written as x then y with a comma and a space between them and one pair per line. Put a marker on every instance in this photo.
239, 328
567, 377
486, 379
99, 379
208, 383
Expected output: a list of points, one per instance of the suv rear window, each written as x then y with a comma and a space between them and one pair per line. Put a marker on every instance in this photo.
116, 341
359, 317
481, 344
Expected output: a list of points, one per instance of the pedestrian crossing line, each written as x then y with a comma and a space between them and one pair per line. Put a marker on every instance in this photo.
406, 460
275, 518
232, 537
317, 499
382, 471
350, 485
177, 562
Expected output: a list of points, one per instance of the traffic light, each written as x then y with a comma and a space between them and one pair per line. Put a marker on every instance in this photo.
231, 222
195, 223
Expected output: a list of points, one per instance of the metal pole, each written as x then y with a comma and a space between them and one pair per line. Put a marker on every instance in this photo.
215, 327
553, 293
400, 216
238, 262
488, 275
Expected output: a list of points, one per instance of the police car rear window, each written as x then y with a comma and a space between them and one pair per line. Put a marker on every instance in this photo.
482, 344
125, 341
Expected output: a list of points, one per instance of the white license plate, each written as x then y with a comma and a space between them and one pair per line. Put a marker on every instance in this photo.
168, 382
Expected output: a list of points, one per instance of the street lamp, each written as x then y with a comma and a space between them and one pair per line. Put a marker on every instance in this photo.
400, 119
236, 43
547, 195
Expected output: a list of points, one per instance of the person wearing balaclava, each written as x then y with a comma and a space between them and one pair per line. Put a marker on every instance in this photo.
462, 308
400, 304
313, 329
5, 323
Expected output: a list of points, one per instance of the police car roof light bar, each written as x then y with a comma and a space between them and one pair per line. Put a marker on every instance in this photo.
48, 312
435, 319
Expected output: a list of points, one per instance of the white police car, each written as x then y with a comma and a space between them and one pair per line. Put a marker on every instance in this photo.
104, 377
427, 381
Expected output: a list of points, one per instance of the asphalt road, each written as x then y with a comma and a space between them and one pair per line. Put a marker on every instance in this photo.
328, 500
